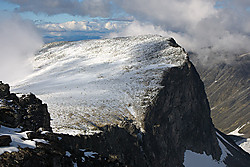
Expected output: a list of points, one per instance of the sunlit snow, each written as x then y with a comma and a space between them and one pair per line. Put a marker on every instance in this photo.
19, 139
98, 82
244, 143
192, 159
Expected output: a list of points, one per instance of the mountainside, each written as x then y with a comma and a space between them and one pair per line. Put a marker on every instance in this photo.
227, 88
98, 82
142, 94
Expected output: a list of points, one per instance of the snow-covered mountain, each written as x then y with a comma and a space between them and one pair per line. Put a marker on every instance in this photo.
144, 88
100, 81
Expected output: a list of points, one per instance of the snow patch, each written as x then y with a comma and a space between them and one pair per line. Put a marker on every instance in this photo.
67, 154
224, 151
236, 131
192, 159
41, 141
74, 164
82, 150
245, 145
90, 154
19, 139
44, 132
225, 140
74, 132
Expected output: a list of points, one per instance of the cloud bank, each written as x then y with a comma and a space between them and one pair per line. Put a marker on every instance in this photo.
79, 30
18, 43
214, 29
215, 33
82, 26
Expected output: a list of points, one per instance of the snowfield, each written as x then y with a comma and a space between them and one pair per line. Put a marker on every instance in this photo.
98, 82
19, 140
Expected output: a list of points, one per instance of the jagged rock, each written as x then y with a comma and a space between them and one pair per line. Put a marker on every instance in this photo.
4, 89
27, 112
5, 140
36, 115
10, 115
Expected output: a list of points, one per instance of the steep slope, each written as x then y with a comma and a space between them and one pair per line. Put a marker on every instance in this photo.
227, 87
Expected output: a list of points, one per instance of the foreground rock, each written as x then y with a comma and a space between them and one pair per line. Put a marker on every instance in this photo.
5, 140
26, 112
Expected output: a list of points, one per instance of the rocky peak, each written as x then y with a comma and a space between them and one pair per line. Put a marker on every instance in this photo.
4, 90
26, 112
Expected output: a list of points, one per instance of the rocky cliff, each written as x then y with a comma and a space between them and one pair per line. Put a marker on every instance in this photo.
155, 110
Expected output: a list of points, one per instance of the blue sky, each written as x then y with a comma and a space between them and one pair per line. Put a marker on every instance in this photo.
8, 8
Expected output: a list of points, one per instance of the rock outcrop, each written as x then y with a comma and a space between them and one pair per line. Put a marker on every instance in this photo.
180, 119
5, 140
26, 112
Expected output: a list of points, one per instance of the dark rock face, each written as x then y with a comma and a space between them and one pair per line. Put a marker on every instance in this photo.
5, 140
26, 112
122, 143
179, 120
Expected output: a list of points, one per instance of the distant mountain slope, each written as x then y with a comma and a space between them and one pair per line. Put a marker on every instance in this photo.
228, 90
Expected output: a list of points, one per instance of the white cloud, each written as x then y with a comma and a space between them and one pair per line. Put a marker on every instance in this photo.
83, 26
139, 28
216, 34
173, 14
208, 27
18, 43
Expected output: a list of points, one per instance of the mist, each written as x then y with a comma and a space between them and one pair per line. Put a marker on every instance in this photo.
18, 43
217, 31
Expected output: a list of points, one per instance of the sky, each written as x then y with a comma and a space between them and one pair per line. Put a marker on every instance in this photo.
214, 29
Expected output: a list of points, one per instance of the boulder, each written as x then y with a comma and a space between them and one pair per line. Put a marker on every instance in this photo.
27, 111
5, 140
4, 89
